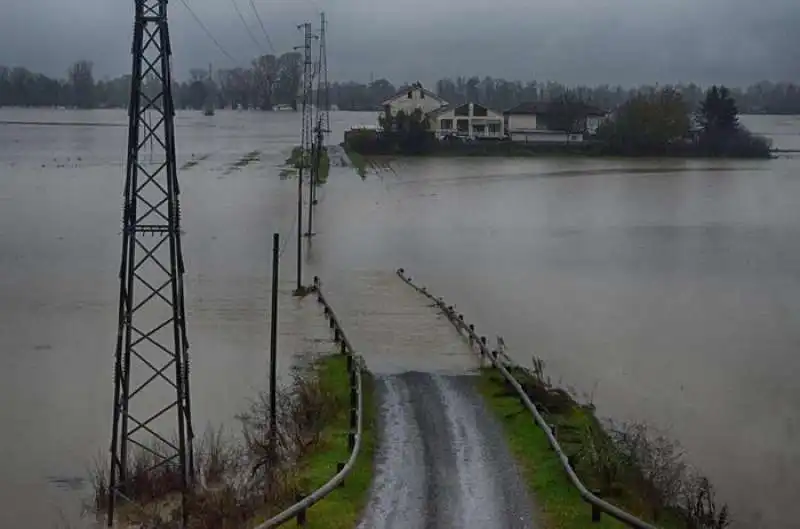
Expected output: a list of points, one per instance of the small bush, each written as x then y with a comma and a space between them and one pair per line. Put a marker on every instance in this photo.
660, 469
739, 143
631, 463
236, 480
699, 505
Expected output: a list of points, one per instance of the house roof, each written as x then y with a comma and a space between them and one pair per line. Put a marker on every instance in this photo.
404, 91
543, 107
447, 108
441, 110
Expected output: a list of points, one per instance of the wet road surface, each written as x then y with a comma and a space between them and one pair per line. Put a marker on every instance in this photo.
394, 328
442, 461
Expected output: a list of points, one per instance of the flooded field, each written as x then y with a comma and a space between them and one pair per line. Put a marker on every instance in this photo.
664, 290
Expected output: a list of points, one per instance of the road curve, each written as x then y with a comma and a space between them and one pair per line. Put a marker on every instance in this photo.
442, 461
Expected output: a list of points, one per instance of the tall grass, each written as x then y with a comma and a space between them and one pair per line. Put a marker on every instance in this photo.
631, 464
236, 478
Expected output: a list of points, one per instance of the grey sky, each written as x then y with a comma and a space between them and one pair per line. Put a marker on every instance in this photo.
572, 41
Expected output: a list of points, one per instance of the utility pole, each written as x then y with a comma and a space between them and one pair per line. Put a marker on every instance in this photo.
321, 122
323, 63
305, 141
152, 348
273, 350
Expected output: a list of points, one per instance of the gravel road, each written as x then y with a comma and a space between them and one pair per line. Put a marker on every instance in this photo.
442, 461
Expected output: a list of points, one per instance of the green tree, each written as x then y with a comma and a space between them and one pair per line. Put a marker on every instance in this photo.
722, 135
718, 113
81, 82
647, 123
265, 71
405, 133
289, 78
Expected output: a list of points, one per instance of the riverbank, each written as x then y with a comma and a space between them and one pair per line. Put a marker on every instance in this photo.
625, 465
240, 486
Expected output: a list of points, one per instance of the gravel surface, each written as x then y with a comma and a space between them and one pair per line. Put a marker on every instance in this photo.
442, 461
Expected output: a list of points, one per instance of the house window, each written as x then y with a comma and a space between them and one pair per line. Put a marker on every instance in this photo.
494, 128
447, 124
463, 125
409, 94
463, 110
480, 111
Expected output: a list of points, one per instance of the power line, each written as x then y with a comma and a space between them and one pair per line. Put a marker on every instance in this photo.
208, 33
246, 27
288, 237
263, 28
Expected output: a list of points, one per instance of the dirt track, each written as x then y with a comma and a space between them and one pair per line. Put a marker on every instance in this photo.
442, 461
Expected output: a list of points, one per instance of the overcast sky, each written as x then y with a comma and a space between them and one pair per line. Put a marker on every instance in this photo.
573, 41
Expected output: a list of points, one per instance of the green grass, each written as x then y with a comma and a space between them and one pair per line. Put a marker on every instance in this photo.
297, 159
560, 504
324, 166
358, 161
341, 508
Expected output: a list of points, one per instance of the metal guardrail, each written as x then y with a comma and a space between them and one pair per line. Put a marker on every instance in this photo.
598, 505
355, 365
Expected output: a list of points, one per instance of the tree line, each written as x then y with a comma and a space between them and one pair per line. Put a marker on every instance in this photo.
269, 81
657, 123
273, 80
500, 94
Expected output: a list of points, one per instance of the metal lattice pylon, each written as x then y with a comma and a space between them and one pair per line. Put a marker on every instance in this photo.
322, 121
323, 95
306, 142
152, 418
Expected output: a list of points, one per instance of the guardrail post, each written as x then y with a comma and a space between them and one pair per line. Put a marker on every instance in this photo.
353, 402
343, 348
331, 323
301, 516
335, 334
350, 368
471, 332
595, 509
483, 345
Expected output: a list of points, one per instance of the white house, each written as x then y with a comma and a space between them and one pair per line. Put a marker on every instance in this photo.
528, 122
412, 98
469, 119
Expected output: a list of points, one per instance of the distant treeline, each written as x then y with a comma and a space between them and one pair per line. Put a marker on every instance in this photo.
273, 80
500, 94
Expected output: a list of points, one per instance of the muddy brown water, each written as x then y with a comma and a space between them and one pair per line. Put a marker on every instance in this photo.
664, 290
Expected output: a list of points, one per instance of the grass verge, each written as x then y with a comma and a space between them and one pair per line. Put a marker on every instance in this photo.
341, 508
247, 481
358, 161
298, 159
628, 468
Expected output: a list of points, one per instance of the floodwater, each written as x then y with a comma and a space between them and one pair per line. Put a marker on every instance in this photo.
666, 291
